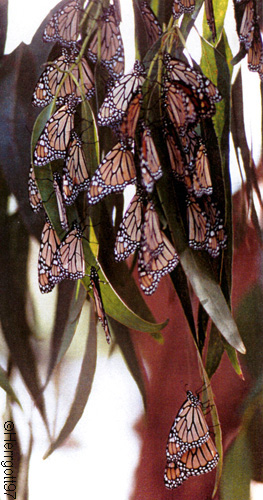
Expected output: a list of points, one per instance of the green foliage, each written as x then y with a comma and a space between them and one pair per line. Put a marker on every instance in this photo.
215, 330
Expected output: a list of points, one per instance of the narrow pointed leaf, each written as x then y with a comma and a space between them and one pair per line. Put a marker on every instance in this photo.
5, 384
83, 389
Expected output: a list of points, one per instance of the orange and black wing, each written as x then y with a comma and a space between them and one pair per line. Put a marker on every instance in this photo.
115, 172
53, 141
64, 25
34, 197
129, 233
49, 272
70, 254
75, 173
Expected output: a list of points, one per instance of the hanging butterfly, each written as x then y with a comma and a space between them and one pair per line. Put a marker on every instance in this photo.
247, 25
255, 51
49, 272
57, 185
53, 141
129, 233
157, 256
120, 95
95, 283
210, 17
152, 25
64, 25
70, 254
34, 197
111, 44
197, 178
196, 461
151, 169
179, 72
197, 224
182, 7
115, 172
126, 130
176, 154
75, 174
190, 449
180, 107
216, 236
51, 78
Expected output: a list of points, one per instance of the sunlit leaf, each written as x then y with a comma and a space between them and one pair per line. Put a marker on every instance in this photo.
5, 384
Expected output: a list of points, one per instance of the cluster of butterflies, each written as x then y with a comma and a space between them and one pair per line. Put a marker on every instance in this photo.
187, 97
250, 36
190, 450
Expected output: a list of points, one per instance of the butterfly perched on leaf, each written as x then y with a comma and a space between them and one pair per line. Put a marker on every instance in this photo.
53, 141
111, 48
75, 172
64, 25
49, 272
190, 450
156, 256
57, 79
119, 96
152, 26
34, 197
70, 254
115, 172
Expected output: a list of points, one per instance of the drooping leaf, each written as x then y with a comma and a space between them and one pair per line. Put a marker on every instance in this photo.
83, 387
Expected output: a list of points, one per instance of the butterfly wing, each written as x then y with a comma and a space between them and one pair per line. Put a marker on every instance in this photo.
115, 172
129, 233
46, 266
34, 197
64, 25
53, 141
75, 174
70, 254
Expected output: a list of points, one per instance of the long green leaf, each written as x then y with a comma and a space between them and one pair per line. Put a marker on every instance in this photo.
83, 389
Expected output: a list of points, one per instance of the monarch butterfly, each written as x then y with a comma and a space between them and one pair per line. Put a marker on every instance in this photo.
54, 139
151, 169
94, 280
64, 25
216, 236
157, 256
152, 25
209, 12
75, 173
196, 461
197, 224
115, 172
182, 6
180, 108
200, 85
129, 233
247, 25
52, 76
255, 51
57, 185
34, 197
70, 254
120, 95
129, 122
190, 449
111, 49
176, 154
197, 179
49, 272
